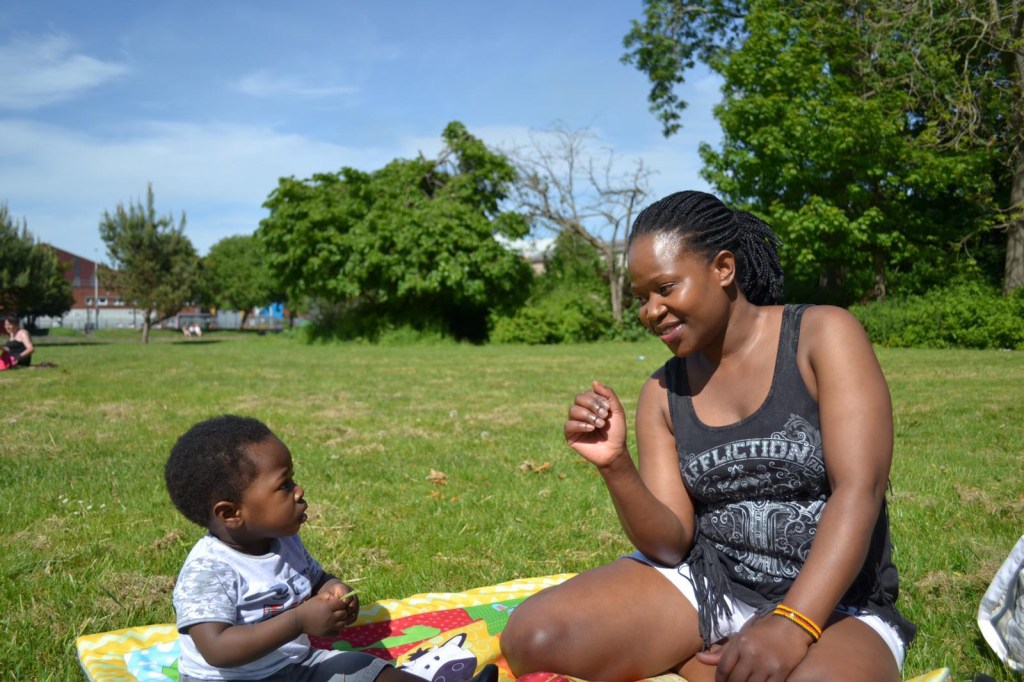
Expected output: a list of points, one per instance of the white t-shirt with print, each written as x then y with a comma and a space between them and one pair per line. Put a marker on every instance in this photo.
222, 585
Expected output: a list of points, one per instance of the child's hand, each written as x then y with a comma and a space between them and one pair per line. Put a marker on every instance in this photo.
349, 599
351, 604
324, 616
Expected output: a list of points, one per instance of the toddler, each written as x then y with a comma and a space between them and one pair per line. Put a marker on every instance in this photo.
249, 594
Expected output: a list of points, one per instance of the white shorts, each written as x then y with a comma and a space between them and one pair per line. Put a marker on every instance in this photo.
742, 612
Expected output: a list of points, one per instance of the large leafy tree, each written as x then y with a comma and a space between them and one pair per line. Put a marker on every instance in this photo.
153, 263
848, 124
235, 276
832, 159
32, 282
413, 243
963, 62
669, 41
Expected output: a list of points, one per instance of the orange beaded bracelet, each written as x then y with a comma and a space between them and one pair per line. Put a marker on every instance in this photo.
794, 616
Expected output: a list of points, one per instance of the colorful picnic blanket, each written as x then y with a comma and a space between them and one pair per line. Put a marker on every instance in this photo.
438, 635
422, 634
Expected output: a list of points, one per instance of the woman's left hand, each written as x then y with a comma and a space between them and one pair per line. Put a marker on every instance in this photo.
767, 649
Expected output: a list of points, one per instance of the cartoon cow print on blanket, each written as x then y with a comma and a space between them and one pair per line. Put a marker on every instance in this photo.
446, 663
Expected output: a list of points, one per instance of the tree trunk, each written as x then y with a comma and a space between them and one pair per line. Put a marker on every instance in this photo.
879, 292
615, 287
245, 316
146, 323
615, 272
1014, 273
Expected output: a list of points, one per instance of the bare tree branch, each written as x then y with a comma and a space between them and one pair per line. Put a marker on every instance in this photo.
569, 183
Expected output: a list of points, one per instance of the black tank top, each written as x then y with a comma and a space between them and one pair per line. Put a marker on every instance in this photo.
16, 348
760, 486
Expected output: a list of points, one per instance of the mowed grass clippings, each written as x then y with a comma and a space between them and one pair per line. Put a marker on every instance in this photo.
433, 468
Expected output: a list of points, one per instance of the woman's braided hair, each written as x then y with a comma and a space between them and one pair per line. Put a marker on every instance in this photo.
708, 226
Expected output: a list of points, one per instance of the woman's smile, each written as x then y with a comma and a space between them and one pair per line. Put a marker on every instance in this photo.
671, 334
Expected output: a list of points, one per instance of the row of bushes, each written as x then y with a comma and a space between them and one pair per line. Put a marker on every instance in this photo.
572, 315
965, 314
568, 303
968, 314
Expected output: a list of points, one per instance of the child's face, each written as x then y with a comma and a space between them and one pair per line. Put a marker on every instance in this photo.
272, 505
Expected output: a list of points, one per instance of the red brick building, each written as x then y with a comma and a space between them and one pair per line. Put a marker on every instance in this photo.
86, 284
97, 306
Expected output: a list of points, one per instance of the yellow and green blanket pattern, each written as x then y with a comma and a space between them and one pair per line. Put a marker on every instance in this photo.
439, 634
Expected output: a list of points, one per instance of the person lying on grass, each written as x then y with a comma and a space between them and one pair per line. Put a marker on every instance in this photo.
249, 594
758, 507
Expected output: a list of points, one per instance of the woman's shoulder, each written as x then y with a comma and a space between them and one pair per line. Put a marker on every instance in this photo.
832, 332
828, 320
667, 372
656, 385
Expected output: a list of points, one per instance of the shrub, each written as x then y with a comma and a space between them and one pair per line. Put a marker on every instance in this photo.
566, 316
966, 314
358, 321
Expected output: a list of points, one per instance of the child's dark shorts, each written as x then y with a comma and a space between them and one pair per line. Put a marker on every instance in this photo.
323, 665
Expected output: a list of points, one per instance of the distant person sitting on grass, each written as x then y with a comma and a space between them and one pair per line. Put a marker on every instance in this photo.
249, 594
18, 348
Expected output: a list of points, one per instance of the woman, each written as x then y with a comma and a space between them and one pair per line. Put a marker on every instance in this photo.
18, 349
758, 506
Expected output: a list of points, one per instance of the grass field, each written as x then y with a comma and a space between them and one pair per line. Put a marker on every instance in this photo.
89, 541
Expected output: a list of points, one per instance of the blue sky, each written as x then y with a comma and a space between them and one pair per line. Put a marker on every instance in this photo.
213, 102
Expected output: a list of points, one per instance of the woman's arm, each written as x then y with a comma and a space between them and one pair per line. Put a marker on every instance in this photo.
857, 440
857, 435
664, 528
652, 503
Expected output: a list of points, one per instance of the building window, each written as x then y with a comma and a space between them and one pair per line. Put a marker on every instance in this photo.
102, 301
88, 300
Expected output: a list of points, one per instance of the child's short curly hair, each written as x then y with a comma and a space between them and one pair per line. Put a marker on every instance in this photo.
209, 463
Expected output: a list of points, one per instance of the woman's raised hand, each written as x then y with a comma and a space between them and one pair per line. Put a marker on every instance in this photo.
596, 427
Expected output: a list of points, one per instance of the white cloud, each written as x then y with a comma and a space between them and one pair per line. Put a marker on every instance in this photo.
37, 73
263, 84
498, 137
61, 181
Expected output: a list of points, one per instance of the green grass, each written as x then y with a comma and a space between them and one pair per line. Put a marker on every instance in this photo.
89, 541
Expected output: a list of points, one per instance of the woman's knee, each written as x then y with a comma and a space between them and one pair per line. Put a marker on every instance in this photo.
529, 639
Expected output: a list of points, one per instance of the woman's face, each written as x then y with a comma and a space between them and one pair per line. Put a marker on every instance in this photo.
10, 327
681, 295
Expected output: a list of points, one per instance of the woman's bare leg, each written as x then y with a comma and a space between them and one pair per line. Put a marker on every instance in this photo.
848, 651
622, 621
695, 671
